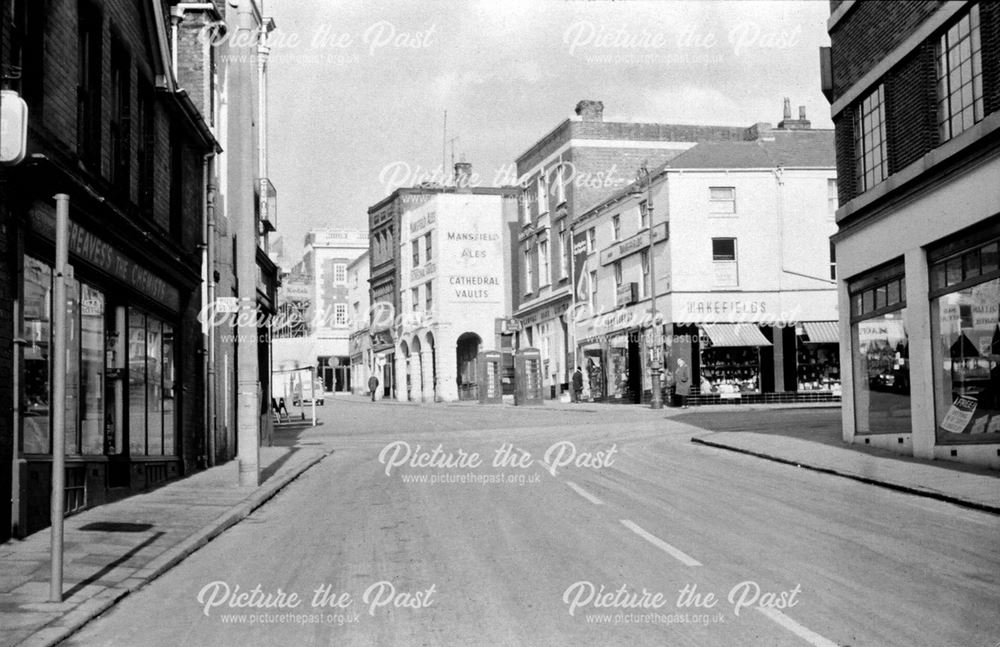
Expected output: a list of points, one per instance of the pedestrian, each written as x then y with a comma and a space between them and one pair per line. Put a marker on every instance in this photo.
282, 409
668, 386
682, 382
373, 385
577, 385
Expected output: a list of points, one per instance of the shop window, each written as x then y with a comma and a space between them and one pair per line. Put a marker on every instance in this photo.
959, 76
137, 382
729, 370
722, 200
965, 319
92, 336
151, 413
882, 358
871, 161
37, 333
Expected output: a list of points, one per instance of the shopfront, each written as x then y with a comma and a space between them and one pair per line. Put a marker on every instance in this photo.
818, 357
123, 400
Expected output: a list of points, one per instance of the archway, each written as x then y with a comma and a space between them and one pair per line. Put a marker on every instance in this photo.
466, 350
416, 371
429, 362
404, 367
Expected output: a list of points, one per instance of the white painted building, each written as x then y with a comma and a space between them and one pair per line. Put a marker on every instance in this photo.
360, 343
455, 269
745, 279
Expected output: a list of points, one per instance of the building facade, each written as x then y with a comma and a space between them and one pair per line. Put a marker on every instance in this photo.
566, 173
455, 270
915, 92
320, 287
360, 342
744, 278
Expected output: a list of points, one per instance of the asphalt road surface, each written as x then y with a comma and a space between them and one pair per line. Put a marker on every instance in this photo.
692, 546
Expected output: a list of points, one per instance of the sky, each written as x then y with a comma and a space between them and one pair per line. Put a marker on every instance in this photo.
358, 90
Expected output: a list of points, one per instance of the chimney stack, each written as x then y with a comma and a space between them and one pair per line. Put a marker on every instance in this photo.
589, 110
463, 174
794, 124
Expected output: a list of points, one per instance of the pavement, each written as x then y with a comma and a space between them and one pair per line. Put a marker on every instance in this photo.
114, 550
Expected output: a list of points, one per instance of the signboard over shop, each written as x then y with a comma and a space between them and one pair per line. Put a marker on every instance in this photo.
637, 243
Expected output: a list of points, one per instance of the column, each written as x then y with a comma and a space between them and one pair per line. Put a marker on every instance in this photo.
427, 370
847, 361
918, 329
447, 369
400, 375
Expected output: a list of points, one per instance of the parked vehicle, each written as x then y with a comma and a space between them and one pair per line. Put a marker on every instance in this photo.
304, 391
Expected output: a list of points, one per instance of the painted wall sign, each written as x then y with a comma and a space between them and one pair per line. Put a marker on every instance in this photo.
636, 243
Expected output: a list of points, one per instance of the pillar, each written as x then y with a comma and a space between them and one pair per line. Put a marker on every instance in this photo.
427, 367
416, 377
400, 375
918, 329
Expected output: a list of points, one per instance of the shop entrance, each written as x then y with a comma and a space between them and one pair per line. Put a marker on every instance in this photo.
466, 351
634, 393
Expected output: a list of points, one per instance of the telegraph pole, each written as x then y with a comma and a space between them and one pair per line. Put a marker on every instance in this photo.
241, 145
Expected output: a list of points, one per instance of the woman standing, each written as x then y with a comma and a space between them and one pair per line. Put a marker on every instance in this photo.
682, 382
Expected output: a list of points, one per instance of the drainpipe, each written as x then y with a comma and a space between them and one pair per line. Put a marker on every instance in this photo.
208, 260
176, 16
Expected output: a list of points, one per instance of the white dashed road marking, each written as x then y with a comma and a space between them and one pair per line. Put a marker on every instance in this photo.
809, 636
679, 555
586, 495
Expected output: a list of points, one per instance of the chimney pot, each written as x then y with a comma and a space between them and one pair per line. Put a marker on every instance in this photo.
788, 108
802, 113
590, 110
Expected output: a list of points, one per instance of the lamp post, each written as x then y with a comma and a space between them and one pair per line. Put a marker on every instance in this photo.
654, 360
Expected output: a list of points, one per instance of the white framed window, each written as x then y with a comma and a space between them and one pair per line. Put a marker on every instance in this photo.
871, 164
725, 262
542, 193
415, 247
428, 297
616, 227
340, 314
960, 76
593, 288
428, 247
591, 240
832, 201
722, 200
560, 184
525, 208
543, 262
415, 299
644, 263
340, 273
564, 252
833, 261
529, 278
643, 214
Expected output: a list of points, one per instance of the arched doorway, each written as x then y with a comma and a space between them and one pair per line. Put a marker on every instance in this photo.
404, 379
466, 350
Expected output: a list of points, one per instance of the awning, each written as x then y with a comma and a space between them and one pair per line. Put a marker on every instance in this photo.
822, 332
735, 335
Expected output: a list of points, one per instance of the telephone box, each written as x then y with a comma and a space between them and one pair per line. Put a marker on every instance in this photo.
528, 377
490, 371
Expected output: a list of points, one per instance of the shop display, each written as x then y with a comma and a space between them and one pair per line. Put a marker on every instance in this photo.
730, 370
818, 367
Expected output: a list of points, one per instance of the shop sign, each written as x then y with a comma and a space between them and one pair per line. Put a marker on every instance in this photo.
297, 289
627, 294
423, 222
632, 245
13, 128
227, 305
424, 270
726, 274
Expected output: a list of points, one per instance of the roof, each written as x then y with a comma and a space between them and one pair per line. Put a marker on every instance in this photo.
784, 148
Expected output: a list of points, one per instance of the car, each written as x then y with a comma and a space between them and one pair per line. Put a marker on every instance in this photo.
300, 399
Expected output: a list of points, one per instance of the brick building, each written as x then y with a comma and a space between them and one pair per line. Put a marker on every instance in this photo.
915, 92
565, 174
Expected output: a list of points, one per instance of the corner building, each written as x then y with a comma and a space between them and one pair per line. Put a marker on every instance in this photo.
915, 92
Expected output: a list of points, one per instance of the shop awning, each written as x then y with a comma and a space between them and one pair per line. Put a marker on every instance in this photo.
735, 335
822, 332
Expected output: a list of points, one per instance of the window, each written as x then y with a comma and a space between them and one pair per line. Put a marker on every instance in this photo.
415, 247
428, 247
618, 273
591, 240
869, 140
960, 76
833, 261
151, 419
542, 193
616, 227
560, 185
339, 273
145, 152
525, 209
415, 299
340, 314
528, 278
121, 123
722, 200
882, 365
564, 252
644, 263
27, 50
643, 214
428, 297
543, 262
593, 288
832, 201
88, 91
724, 262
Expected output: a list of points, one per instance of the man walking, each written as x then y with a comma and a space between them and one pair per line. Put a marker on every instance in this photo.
373, 385
682, 382
577, 385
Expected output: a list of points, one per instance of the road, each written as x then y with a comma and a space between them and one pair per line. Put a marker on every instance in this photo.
804, 558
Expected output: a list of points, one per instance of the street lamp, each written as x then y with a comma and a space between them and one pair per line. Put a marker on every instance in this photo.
654, 360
